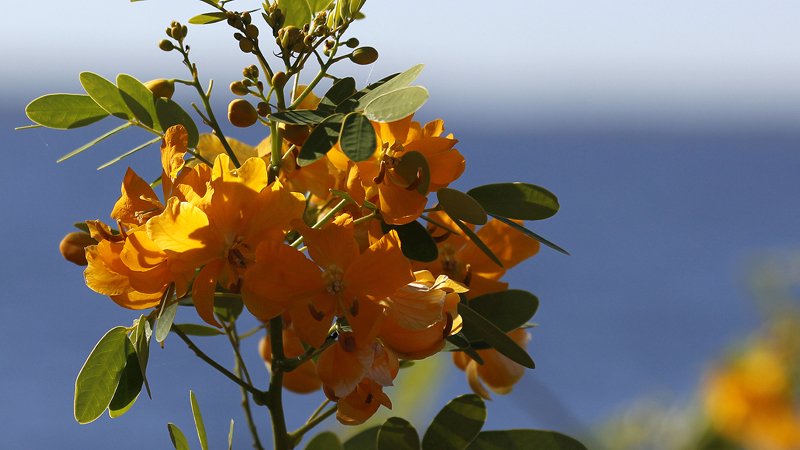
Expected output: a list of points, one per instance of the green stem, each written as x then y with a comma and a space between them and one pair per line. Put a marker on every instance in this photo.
234, 339
275, 404
297, 435
276, 143
323, 220
324, 404
241, 370
251, 332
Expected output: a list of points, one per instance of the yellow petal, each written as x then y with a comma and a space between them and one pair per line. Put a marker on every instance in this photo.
205, 283
184, 231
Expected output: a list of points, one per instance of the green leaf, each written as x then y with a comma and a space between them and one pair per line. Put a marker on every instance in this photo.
94, 141
459, 341
357, 138
178, 439
481, 328
351, 103
397, 104
212, 17
339, 92
363, 440
530, 233
456, 425
130, 152
198, 422
166, 315
193, 329
170, 114
81, 226
409, 167
299, 117
141, 340
415, 241
508, 310
327, 440
397, 434
519, 201
230, 437
405, 363
100, 375
228, 307
461, 206
106, 95
129, 385
391, 83
140, 100
477, 241
524, 440
301, 12
321, 139
65, 111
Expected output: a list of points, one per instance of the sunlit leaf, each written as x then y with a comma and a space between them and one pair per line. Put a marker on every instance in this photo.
140, 100
519, 201
212, 17
477, 241
100, 374
198, 422
363, 440
65, 111
524, 440
299, 117
508, 310
461, 206
456, 425
415, 241
166, 315
129, 385
397, 434
94, 141
193, 329
178, 439
141, 341
398, 81
530, 233
301, 12
357, 139
481, 328
106, 95
322, 138
396, 105
327, 440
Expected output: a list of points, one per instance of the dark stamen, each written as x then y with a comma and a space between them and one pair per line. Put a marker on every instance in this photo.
468, 276
381, 174
416, 181
236, 287
448, 327
236, 259
354, 307
348, 342
317, 315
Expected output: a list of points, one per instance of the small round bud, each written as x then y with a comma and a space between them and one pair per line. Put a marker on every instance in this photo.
241, 113
168, 31
260, 86
251, 31
364, 56
308, 41
296, 134
184, 31
238, 88
253, 70
161, 87
73, 247
166, 45
246, 18
289, 36
352, 43
263, 109
247, 82
245, 45
238, 24
279, 80
177, 34
238, 36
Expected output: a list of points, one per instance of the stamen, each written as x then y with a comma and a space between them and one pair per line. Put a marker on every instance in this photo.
317, 315
236, 258
468, 276
236, 287
348, 342
416, 181
442, 238
381, 174
354, 307
448, 327
369, 398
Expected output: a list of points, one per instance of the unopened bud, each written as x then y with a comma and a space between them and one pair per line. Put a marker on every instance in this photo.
279, 80
246, 18
352, 43
364, 56
177, 33
238, 88
166, 45
263, 109
241, 113
161, 87
73, 247
288, 36
251, 31
245, 45
168, 31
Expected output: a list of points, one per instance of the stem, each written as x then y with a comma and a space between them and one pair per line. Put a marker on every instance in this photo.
234, 339
241, 370
251, 332
323, 220
276, 143
324, 404
279, 433
258, 396
297, 435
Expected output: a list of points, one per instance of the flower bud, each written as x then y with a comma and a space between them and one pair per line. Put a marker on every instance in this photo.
251, 31
177, 33
241, 113
168, 31
296, 134
288, 36
166, 45
352, 43
364, 56
246, 18
73, 247
263, 109
279, 80
238, 88
245, 45
161, 87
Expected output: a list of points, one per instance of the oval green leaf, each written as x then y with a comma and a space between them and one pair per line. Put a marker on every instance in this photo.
363, 440
524, 440
519, 201
459, 341
338, 93
170, 114
140, 100
477, 241
106, 95
141, 340
129, 385
165, 321
461, 206
357, 139
389, 84
299, 13
481, 328
326, 440
203, 19
456, 425
178, 439
228, 307
193, 329
299, 117
397, 434
530, 233
198, 422
415, 241
65, 111
100, 374
507, 310
322, 138
397, 104
409, 166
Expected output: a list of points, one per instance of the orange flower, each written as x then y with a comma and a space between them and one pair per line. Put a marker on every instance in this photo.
303, 379
462, 260
221, 232
498, 372
338, 282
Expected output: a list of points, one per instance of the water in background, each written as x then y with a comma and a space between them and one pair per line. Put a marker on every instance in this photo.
660, 225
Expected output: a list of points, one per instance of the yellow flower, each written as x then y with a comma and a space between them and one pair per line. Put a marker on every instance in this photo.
498, 372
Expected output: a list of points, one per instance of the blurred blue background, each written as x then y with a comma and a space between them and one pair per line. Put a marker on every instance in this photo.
668, 131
